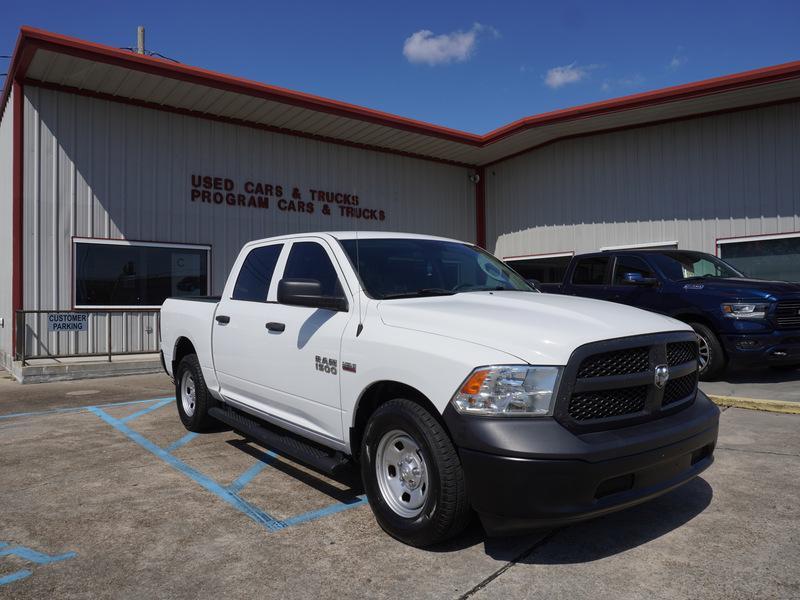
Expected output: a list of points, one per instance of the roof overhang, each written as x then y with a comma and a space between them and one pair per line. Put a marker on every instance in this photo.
69, 64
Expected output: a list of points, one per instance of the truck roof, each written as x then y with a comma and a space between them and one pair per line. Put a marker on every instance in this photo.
361, 235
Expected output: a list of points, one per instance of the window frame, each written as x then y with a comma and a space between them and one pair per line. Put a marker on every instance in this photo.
344, 283
617, 258
273, 286
119, 242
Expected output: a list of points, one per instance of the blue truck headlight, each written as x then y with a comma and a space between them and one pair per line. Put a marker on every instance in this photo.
508, 391
745, 310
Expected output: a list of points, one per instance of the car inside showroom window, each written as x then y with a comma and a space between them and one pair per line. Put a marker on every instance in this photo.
118, 274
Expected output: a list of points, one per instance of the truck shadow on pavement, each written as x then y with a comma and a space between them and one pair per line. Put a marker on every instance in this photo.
622, 531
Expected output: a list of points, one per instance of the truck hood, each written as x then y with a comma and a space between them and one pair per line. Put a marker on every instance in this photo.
740, 288
536, 328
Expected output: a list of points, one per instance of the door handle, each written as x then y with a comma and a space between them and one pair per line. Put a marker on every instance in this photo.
223, 319
276, 327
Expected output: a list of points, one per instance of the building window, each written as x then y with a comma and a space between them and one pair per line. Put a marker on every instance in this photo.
122, 274
642, 245
544, 268
764, 257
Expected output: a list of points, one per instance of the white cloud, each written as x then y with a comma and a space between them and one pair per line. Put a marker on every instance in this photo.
678, 60
425, 47
561, 76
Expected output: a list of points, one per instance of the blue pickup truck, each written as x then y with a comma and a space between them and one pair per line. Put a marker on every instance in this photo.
739, 321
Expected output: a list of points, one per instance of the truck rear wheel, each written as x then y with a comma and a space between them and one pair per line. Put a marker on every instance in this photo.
712, 357
412, 475
191, 395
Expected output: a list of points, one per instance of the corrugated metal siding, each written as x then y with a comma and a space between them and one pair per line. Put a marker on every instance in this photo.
6, 225
95, 168
689, 181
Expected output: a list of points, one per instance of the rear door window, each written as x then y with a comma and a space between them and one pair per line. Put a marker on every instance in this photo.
252, 283
590, 271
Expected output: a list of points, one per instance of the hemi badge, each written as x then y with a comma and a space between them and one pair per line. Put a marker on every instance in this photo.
346, 366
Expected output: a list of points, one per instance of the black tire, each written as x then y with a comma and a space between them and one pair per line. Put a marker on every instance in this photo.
199, 419
715, 365
445, 511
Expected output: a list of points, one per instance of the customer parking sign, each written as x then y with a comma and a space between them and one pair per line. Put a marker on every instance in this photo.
67, 321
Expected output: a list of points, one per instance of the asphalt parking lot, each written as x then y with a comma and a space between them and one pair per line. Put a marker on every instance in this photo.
105, 495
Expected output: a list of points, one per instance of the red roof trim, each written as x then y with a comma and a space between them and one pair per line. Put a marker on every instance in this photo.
30, 39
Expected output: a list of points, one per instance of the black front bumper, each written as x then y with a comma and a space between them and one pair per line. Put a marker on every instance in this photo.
524, 474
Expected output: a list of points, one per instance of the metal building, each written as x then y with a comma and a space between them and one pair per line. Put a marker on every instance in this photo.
126, 178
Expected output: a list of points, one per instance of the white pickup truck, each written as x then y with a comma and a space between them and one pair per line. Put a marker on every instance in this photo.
456, 386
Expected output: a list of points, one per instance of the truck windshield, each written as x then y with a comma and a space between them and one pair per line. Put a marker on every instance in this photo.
408, 268
687, 265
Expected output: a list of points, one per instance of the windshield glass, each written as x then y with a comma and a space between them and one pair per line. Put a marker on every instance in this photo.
406, 268
685, 265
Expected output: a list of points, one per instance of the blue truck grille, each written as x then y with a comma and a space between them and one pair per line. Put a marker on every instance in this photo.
787, 314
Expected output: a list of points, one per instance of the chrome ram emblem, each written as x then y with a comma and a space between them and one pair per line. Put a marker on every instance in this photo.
661, 376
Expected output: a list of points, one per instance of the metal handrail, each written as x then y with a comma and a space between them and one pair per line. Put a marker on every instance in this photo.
20, 352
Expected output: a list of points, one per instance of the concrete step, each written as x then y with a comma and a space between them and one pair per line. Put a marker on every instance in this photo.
44, 370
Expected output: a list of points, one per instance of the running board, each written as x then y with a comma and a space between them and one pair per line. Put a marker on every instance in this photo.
329, 462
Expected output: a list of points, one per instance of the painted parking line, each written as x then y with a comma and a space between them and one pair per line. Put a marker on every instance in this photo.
181, 442
30, 555
149, 409
256, 514
77, 409
247, 476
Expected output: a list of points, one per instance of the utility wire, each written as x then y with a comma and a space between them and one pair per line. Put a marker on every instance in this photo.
150, 53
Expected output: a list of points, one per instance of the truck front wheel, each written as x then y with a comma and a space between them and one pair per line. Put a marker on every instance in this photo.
412, 475
191, 395
712, 357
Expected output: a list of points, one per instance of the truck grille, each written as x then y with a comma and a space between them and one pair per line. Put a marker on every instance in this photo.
608, 403
787, 313
621, 362
681, 352
613, 383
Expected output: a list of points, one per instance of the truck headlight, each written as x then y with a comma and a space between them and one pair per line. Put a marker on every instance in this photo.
508, 391
745, 310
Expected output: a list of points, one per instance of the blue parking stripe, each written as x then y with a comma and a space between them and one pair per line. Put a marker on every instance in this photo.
257, 515
324, 512
35, 557
15, 576
248, 475
149, 409
75, 409
181, 442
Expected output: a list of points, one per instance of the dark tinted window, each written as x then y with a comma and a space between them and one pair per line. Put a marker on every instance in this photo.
684, 264
308, 260
765, 259
590, 271
254, 278
391, 268
630, 264
137, 275
544, 270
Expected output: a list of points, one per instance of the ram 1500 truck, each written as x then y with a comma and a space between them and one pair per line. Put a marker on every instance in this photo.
453, 384
738, 320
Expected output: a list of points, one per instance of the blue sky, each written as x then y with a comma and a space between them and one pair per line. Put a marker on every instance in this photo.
469, 65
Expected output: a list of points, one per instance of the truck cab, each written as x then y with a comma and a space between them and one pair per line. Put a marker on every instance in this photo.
739, 321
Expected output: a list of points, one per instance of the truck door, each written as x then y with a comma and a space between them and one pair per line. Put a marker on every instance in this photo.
634, 283
299, 347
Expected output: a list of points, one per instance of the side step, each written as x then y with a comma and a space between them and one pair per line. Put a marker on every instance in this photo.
324, 460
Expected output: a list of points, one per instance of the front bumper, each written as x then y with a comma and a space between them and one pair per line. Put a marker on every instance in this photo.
780, 346
524, 474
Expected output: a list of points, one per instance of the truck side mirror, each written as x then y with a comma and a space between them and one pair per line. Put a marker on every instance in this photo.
638, 279
308, 292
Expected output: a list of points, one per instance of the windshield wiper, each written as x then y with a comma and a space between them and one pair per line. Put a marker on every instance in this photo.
420, 293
